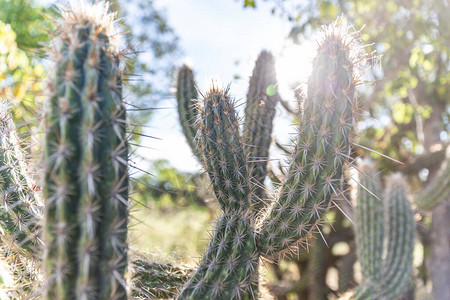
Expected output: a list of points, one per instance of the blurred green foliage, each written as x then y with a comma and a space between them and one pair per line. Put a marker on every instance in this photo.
27, 21
250, 3
167, 185
20, 76
410, 92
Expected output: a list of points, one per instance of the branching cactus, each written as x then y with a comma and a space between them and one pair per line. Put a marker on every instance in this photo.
19, 207
385, 231
86, 160
262, 98
229, 269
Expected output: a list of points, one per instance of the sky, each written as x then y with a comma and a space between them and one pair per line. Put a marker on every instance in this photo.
213, 36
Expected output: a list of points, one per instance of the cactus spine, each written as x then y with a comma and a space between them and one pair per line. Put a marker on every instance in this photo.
85, 158
19, 207
262, 99
229, 267
385, 277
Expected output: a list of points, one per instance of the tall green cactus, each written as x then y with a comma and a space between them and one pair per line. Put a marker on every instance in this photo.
85, 158
385, 232
19, 207
229, 267
262, 98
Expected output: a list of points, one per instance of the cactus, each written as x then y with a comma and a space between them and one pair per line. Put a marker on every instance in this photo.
262, 98
321, 150
385, 237
85, 159
187, 111
19, 207
229, 268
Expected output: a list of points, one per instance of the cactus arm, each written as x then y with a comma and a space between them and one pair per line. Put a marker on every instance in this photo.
222, 150
369, 217
400, 239
187, 110
387, 275
322, 146
262, 99
229, 267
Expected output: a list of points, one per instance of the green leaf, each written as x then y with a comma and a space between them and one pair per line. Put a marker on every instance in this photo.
271, 90
251, 3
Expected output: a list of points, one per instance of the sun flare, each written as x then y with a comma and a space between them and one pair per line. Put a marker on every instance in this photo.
294, 64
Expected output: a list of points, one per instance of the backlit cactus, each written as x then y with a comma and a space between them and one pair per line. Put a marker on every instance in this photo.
229, 268
86, 161
385, 232
19, 208
86, 183
322, 146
